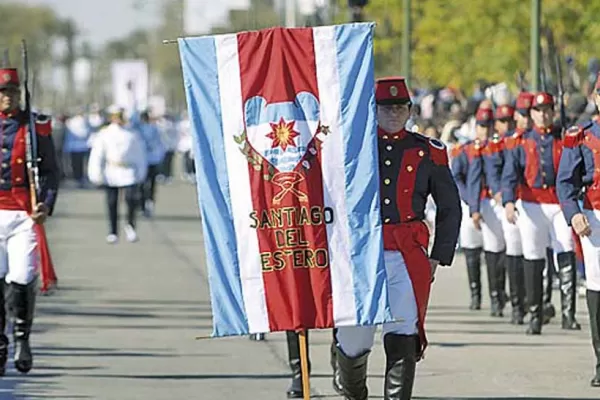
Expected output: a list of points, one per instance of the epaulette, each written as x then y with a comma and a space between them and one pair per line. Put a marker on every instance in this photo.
456, 150
574, 135
512, 141
43, 125
438, 152
495, 144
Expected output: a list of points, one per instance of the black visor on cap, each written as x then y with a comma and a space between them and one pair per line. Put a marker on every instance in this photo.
390, 102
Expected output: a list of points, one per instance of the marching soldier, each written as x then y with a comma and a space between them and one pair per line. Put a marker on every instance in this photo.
118, 163
471, 239
577, 172
411, 167
20, 232
507, 140
531, 169
485, 211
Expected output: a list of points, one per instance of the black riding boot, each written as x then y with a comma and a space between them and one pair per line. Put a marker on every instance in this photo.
473, 257
401, 362
549, 311
337, 385
501, 281
22, 307
492, 263
3, 338
567, 272
293, 342
516, 281
353, 375
593, 304
534, 270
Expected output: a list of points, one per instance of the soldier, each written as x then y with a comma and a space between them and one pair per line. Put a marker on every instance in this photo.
507, 140
118, 163
531, 169
20, 237
485, 211
471, 239
411, 167
577, 172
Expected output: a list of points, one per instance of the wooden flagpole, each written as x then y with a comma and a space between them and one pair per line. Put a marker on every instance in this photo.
304, 365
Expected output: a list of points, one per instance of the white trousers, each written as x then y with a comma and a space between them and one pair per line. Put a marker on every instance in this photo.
19, 256
512, 237
591, 251
491, 228
356, 340
470, 237
543, 226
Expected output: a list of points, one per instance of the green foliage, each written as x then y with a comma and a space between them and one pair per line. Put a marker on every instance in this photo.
456, 42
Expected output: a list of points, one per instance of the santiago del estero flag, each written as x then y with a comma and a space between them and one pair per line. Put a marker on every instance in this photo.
285, 144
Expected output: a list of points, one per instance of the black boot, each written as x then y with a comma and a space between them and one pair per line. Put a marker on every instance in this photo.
568, 289
501, 281
22, 307
517, 288
295, 391
534, 270
401, 362
353, 375
3, 338
491, 261
549, 311
337, 385
593, 304
473, 257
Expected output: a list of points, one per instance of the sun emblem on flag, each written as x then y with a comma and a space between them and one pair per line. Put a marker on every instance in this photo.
6, 77
283, 134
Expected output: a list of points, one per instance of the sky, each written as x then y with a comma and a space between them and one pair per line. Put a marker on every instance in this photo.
103, 20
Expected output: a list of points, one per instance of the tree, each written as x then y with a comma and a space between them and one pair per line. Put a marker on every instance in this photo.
456, 42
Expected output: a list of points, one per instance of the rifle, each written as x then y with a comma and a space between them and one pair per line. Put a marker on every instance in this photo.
31, 159
521, 81
561, 93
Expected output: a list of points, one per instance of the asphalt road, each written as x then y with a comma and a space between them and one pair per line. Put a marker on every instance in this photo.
122, 325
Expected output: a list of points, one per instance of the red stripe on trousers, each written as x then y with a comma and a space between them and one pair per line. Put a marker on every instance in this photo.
412, 239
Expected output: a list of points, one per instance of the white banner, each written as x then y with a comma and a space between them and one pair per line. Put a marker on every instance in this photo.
130, 84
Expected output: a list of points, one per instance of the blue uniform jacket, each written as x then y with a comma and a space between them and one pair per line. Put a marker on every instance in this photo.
579, 169
531, 167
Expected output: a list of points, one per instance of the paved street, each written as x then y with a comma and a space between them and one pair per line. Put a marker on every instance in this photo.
123, 326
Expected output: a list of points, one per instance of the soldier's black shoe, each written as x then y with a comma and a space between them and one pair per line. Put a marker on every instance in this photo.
3, 353
518, 317
535, 327
23, 356
595, 382
533, 284
353, 375
567, 273
473, 258
549, 312
295, 391
22, 305
571, 324
336, 382
492, 261
401, 362
516, 283
475, 303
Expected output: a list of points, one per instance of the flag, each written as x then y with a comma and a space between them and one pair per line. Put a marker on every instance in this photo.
285, 147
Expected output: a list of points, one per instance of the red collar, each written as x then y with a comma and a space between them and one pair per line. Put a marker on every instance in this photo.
543, 131
10, 114
386, 135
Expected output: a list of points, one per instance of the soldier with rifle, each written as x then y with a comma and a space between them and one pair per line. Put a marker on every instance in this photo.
28, 190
